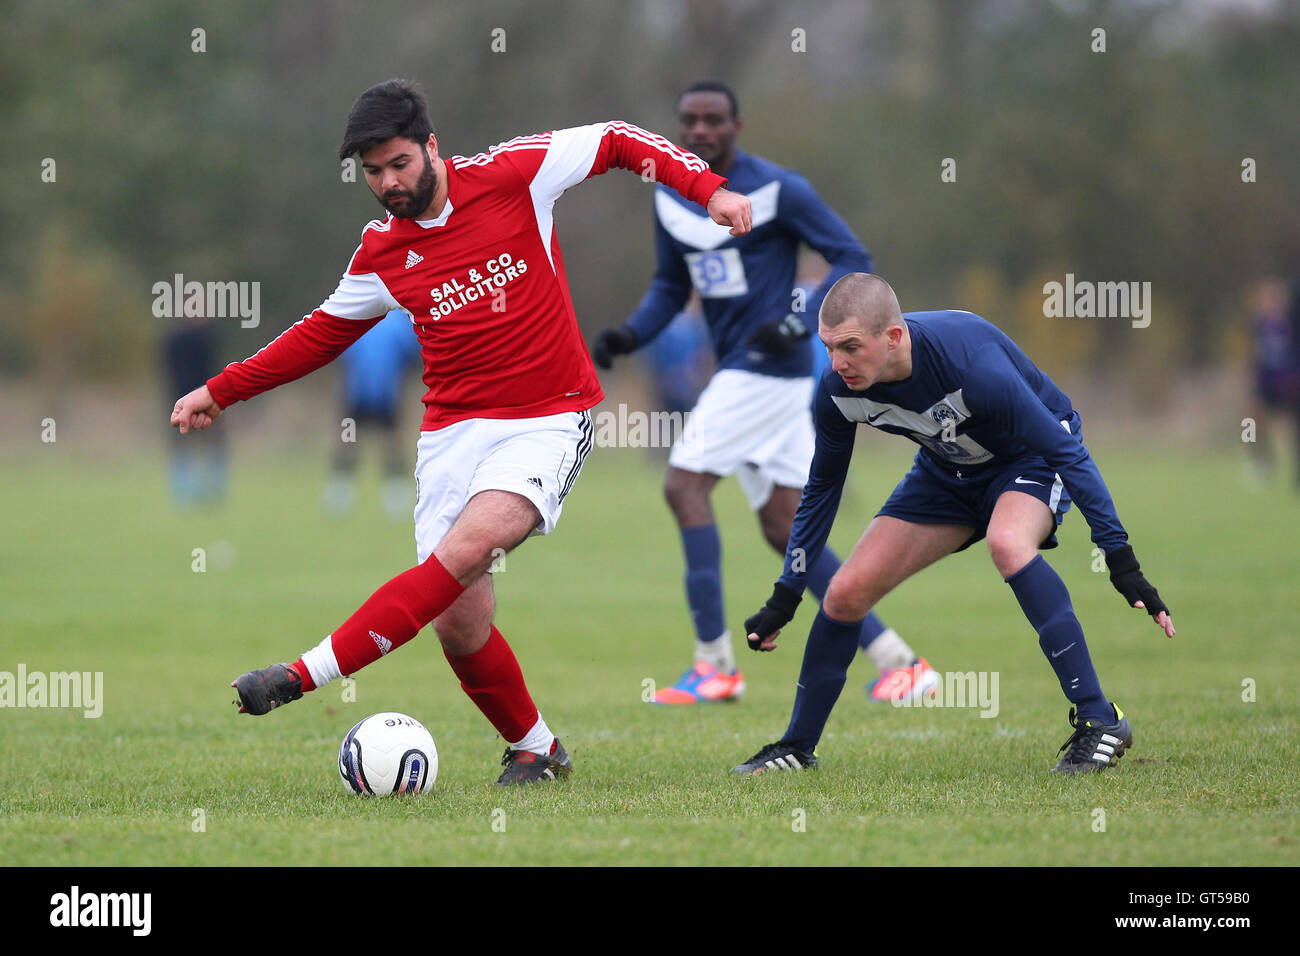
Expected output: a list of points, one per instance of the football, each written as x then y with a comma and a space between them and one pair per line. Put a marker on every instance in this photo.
388, 753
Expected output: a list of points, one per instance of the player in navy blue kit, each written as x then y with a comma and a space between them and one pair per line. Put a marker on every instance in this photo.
1001, 458
753, 418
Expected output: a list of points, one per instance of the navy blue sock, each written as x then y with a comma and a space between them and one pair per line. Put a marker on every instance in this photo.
819, 575
1046, 602
704, 580
830, 650
819, 579
872, 628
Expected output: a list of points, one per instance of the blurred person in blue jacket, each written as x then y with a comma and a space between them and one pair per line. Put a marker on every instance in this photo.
196, 469
1273, 324
374, 368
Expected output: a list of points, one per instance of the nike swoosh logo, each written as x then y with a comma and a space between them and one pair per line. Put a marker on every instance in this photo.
1026, 481
1064, 649
871, 419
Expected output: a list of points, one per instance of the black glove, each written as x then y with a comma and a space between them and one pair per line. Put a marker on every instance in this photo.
611, 342
774, 615
1126, 575
779, 337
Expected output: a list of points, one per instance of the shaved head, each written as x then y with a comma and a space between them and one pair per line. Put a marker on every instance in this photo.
863, 297
864, 333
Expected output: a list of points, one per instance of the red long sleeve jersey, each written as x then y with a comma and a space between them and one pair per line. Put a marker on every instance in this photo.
483, 283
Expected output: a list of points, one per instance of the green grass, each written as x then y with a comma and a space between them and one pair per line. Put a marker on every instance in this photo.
95, 574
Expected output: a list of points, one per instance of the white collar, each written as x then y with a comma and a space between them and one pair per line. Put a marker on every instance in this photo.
440, 221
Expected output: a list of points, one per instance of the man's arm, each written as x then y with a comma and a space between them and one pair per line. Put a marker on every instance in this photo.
813, 520
996, 388
804, 213
552, 162
312, 341
821, 495
360, 301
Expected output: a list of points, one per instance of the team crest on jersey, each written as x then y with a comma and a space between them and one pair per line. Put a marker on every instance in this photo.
944, 414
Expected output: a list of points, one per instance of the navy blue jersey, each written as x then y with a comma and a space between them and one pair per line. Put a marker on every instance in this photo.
974, 401
746, 280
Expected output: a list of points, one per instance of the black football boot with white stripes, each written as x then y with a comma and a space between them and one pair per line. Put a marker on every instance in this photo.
777, 756
1094, 746
524, 766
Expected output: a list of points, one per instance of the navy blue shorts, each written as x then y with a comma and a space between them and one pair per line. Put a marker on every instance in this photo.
1278, 388
931, 494
363, 413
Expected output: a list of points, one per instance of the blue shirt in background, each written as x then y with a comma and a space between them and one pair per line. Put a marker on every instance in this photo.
374, 364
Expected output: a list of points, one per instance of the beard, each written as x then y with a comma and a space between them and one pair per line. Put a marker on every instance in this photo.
409, 205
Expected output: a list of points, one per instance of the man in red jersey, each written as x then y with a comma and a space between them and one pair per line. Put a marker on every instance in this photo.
469, 251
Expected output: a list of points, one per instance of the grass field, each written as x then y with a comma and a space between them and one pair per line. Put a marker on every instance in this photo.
95, 575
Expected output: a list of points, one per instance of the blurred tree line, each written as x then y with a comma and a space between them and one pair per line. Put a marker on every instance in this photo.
212, 153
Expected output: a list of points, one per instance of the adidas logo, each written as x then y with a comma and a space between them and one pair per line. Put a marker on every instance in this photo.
381, 642
537, 482
413, 258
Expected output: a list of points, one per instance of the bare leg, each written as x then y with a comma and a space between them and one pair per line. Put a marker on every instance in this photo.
776, 516
1020, 523
464, 627
889, 552
688, 493
492, 523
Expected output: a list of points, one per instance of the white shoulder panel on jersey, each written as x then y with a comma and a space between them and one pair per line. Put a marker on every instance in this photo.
361, 296
569, 159
697, 230
951, 408
857, 409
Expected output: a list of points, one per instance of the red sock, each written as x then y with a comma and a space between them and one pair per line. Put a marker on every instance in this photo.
393, 615
492, 679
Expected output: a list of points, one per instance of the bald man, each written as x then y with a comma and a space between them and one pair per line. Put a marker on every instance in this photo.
1001, 459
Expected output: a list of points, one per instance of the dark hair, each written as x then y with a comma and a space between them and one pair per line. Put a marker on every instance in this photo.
713, 86
389, 109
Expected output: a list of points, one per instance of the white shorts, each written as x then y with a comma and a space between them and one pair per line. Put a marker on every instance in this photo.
757, 427
539, 458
